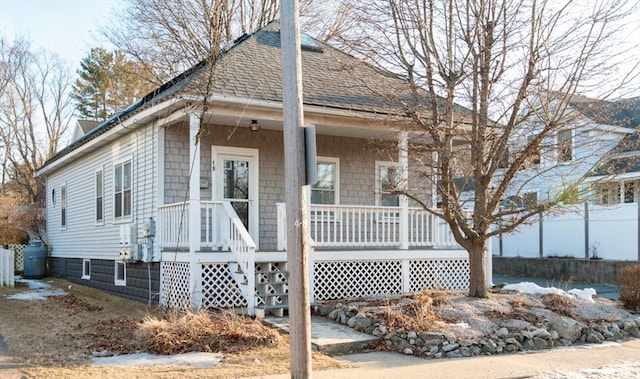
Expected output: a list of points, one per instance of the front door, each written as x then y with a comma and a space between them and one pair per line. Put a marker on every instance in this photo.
236, 181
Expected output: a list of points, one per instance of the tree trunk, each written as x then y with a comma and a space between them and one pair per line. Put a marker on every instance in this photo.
478, 270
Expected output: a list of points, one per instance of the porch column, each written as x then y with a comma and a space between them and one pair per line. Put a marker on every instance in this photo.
488, 256
403, 160
194, 207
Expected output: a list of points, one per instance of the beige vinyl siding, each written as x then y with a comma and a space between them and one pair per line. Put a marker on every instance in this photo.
83, 238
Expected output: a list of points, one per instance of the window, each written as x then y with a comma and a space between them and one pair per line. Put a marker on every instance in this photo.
86, 269
629, 192
63, 206
326, 190
120, 273
535, 155
565, 146
122, 190
608, 193
386, 182
99, 198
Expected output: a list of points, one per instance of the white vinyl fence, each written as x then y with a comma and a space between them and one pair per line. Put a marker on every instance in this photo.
592, 231
7, 268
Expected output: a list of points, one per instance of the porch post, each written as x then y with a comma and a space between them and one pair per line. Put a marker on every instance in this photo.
403, 160
194, 207
488, 256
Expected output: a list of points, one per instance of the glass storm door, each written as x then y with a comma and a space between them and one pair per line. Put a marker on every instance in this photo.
235, 186
236, 182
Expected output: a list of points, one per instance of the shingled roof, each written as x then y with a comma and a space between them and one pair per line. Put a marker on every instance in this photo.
251, 69
626, 155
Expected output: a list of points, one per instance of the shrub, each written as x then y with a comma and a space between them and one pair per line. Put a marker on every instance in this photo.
208, 331
629, 287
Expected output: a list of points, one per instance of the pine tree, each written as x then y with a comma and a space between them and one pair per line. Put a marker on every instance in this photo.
107, 83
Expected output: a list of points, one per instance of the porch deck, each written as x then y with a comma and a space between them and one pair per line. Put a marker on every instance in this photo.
358, 252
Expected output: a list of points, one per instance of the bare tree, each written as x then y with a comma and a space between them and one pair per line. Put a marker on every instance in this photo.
35, 113
169, 36
517, 66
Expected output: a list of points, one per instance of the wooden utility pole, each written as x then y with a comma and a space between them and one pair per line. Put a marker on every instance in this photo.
295, 192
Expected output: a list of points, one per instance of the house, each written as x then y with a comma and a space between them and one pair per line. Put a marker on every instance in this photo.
615, 180
593, 165
83, 127
566, 157
168, 197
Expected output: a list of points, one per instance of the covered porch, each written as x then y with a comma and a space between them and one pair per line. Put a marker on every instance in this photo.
211, 255
358, 252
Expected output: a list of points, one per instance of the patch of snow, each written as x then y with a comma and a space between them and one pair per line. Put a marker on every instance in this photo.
145, 359
34, 284
40, 294
463, 325
585, 294
534, 289
630, 370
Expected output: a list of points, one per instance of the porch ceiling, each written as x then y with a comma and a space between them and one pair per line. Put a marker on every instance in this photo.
332, 122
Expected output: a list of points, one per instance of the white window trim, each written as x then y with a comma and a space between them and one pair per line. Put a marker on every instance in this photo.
122, 219
336, 190
123, 281
313, 217
86, 273
64, 205
95, 193
379, 164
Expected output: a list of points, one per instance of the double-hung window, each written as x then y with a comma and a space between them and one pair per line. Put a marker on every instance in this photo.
99, 192
122, 195
565, 146
387, 176
327, 190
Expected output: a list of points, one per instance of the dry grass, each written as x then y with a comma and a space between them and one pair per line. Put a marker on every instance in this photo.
54, 338
423, 313
206, 331
629, 287
560, 304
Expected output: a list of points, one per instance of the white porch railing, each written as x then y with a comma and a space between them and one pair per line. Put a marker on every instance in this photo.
361, 226
173, 225
220, 229
7, 268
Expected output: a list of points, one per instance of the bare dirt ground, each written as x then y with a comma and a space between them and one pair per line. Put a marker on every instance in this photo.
55, 338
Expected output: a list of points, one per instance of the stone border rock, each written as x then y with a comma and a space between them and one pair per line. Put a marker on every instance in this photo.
557, 331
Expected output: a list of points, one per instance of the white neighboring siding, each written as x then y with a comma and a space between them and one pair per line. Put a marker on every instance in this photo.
82, 237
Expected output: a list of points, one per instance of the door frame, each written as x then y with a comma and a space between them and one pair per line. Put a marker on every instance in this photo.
252, 156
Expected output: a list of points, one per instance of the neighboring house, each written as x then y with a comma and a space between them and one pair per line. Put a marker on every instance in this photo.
82, 128
616, 179
148, 202
603, 156
559, 170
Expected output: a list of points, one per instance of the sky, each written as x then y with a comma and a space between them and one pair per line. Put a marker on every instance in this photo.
69, 28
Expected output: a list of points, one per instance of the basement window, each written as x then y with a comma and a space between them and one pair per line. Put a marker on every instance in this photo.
120, 274
86, 269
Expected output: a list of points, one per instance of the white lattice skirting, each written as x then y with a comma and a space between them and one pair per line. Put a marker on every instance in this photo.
345, 279
335, 279
175, 285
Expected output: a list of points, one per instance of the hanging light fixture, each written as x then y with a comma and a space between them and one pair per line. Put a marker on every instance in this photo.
255, 126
